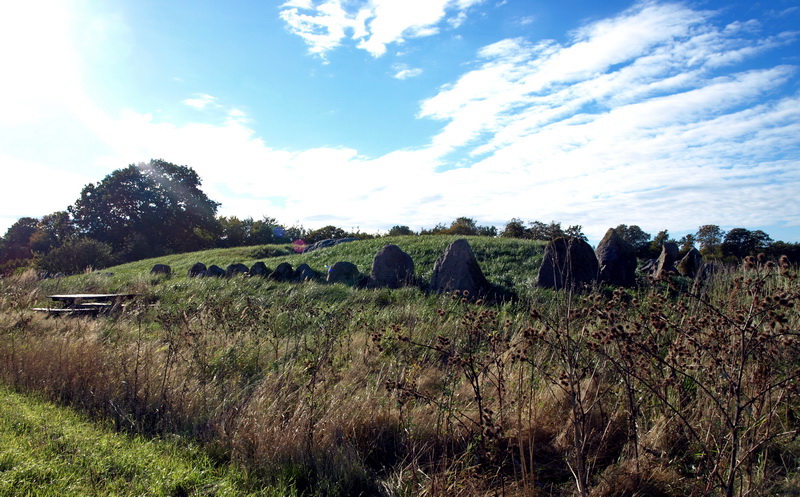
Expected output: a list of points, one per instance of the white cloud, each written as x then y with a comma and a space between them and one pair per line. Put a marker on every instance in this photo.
201, 101
375, 24
402, 71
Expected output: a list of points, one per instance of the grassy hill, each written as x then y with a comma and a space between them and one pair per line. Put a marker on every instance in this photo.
333, 391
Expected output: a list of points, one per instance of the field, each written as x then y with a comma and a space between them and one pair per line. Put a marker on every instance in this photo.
316, 389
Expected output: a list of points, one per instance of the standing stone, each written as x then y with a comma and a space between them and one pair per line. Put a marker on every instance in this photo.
391, 268
304, 273
235, 269
198, 269
616, 259
666, 261
691, 263
569, 263
458, 269
161, 269
283, 272
215, 271
343, 272
259, 269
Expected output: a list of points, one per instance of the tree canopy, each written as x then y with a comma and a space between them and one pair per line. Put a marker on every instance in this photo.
148, 209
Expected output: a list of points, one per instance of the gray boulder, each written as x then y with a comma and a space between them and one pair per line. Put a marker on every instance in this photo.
161, 269
343, 272
330, 242
235, 269
458, 269
569, 263
259, 269
304, 273
283, 272
391, 268
198, 269
666, 261
690, 264
616, 260
214, 271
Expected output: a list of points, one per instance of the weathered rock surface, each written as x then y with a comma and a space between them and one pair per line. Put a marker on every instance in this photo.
283, 272
690, 264
666, 261
569, 263
330, 242
259, 269
161, 269
616, 260
235, 269
343, 272
303, 272
458, 269
198, 269
391, 268
214, 271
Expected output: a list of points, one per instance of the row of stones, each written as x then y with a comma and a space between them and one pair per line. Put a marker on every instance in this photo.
571, 263
456, 269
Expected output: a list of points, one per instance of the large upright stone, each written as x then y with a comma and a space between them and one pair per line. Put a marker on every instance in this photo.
214, 271
616, 259
304, 273
161, 269
236, 268
391, 268
259, 269
569, 263
666, 261
283, 272
691, 263
458, 269
197, 270
343, 272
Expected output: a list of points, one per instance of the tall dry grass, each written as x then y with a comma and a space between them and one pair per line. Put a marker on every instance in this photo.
667, 390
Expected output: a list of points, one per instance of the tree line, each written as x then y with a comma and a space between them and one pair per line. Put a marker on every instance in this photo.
157, 208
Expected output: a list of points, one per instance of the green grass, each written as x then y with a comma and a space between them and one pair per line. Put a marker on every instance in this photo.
47, 450
498, 256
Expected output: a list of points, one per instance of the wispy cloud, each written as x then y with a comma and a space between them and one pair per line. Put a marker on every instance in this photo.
402, 71
325, 24
201, 101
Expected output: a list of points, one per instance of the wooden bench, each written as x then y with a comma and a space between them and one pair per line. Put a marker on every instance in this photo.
86, 303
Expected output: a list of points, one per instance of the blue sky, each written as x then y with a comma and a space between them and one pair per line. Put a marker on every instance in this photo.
367, 114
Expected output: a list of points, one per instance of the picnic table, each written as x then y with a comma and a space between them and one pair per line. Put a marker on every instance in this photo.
86, 303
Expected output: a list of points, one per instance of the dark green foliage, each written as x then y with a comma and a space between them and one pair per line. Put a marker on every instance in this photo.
147, 210
76, 256
634, 235
710, 236
400, 231
16, 243
741, 242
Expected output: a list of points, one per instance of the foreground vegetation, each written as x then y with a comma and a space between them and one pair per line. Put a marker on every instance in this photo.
671, 389
49, 450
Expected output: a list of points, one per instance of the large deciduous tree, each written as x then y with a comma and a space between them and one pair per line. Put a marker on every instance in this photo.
741, 242
147, 210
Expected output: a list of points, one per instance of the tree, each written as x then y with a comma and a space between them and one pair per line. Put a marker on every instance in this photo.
514, 229
710, 236
158, 202
76, 256
400, 231
741, 242
16, 243
634, 235
686, 243
463, 226
53, 231
325, 233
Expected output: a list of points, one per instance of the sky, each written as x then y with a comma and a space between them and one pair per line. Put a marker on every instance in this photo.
366, 114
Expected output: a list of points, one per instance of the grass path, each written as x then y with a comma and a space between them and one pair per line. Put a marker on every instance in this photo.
49, 450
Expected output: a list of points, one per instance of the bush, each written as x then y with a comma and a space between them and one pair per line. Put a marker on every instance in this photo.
74, 257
